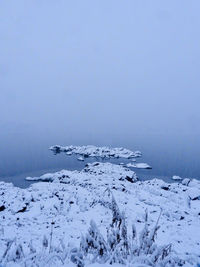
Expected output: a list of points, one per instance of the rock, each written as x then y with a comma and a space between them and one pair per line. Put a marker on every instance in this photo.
185, 181
2, 208
138, 165
80, 159
194, 193
165, 188
175, 177
93, 151
129, 179
22, 210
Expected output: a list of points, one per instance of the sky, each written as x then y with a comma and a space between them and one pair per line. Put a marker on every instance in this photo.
99, 69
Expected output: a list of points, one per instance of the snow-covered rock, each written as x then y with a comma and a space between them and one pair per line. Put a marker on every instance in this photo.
176, 177
186, 181
80, 159
63, 208
94, 151
101, 173
194, 193
138, 165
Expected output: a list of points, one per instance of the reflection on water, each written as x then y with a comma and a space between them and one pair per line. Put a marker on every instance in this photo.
168, 156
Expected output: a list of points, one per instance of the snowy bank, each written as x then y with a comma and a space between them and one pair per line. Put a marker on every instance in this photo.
59, 212
101, 173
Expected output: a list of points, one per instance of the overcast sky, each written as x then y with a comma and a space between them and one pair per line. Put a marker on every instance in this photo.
101, 67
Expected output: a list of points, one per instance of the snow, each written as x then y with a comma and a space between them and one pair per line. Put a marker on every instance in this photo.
186, 181
138, 165
193, 193
176, 177
92, 173
94, 151
80, 159
73, 198
57, 211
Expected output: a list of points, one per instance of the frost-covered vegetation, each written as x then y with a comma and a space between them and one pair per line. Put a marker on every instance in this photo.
47, 223
122, 247
117, 247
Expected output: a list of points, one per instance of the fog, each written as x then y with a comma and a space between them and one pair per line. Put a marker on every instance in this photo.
103, 72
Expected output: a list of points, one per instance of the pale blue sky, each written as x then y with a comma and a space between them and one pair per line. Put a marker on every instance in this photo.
100, 67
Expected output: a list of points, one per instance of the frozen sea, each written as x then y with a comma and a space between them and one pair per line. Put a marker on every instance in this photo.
22, 156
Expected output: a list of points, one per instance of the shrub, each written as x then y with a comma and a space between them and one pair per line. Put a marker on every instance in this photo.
119, 246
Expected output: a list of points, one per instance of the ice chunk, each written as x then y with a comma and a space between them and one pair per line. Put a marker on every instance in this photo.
176, 177
80, 159
138, 165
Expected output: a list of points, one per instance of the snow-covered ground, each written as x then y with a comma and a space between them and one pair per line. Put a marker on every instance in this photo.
59, 211
102, 173
94, 151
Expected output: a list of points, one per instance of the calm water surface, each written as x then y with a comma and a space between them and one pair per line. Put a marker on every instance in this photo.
21, 157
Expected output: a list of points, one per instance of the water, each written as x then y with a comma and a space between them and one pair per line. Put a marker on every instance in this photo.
168, 155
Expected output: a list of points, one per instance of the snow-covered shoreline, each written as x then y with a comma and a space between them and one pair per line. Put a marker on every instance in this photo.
100, 172
73, 198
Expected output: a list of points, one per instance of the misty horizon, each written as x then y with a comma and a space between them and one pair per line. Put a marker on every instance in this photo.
100, 68
100, 73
